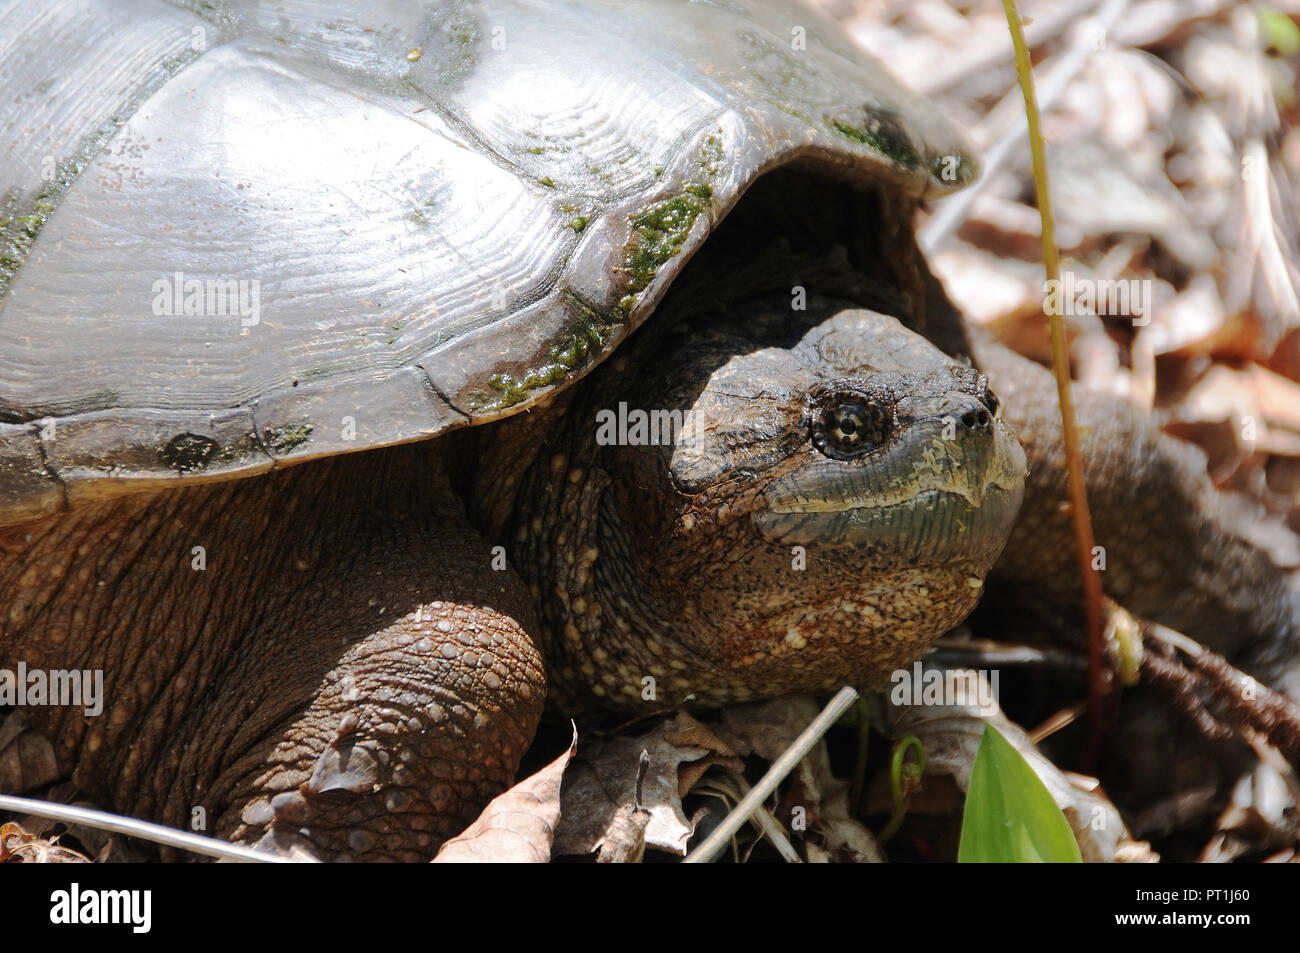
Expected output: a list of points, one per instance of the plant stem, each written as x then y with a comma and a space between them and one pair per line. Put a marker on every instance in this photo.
1061, 365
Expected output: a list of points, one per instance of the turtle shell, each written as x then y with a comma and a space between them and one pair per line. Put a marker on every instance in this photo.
237, 235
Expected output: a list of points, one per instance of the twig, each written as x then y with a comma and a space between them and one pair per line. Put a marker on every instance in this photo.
132, 827
715, 842
1221, 699
1054, 723
989, 653
772, 828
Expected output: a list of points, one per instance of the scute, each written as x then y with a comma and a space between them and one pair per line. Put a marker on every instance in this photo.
279, 231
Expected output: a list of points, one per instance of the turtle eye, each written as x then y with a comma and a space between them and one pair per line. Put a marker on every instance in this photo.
991, 401
848, 428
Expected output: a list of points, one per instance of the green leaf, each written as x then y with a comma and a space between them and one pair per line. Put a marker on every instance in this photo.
1010, 818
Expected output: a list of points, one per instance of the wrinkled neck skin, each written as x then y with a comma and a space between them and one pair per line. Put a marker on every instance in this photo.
820, 494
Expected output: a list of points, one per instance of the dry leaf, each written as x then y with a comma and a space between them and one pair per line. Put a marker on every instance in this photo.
603, 780
767, 728
1259, 816
518, 826
17, 846
1099, 192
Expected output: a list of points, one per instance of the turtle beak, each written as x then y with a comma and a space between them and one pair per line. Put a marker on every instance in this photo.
947, 486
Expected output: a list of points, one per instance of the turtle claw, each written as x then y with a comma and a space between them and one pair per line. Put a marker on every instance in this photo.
345, 766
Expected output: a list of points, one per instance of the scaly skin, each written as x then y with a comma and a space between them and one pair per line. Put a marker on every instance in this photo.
748, 562
347, 662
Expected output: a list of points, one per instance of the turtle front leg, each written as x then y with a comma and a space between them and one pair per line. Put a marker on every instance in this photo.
326, 655
416, 728
420, 721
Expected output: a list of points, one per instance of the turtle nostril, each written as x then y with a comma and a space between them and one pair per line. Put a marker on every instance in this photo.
975, 419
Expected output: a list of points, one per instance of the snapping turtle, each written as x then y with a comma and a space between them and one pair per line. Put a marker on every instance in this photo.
244, 236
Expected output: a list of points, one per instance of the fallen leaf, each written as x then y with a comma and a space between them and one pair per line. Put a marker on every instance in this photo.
602, 781
518, 826
1260, 816
766, 728
17, 846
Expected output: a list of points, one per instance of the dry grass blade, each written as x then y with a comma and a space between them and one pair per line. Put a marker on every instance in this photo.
1061, 366
773, 830
752, 801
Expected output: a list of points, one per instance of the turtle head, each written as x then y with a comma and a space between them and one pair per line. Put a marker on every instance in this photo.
764, 513
862, 441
